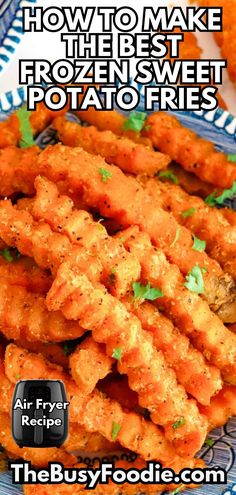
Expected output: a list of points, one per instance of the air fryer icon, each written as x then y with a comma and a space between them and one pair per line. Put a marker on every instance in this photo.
39, 413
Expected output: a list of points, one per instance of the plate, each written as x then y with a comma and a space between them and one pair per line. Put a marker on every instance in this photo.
219, 127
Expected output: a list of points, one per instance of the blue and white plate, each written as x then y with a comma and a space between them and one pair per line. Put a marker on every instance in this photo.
219, 127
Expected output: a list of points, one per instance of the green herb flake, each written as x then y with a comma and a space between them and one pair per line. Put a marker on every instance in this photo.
178, 424
146, 291
169, 175
115, 430
211, 199
188, 213
17, 377
68, 348
232, 157
27, 138
226, 194
135, 122
105, 174
177, 234
117, 353
7, 255
198, 244
122, 238
194, 280
209, 442
181, 487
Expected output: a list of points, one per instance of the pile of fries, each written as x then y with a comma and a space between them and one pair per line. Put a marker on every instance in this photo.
120, 282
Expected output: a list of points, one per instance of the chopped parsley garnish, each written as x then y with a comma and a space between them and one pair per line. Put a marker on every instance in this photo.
198, 244
178, 423
194, 280
27, 138
115, 430
177, 233
122, 238
209, 442
232, 157
212, 200
17, 377
146, 291
135, 122
188, 213
105, 174
117, 353
7, 255
181, 487
69, 347
168, 174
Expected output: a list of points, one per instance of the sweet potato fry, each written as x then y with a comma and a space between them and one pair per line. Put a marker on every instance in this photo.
89, 364
25, 273
55, 353
193, 153
95, 412
38, 457
18, 170
191, 183
129, 204
129, 156
81, 440
207, 223
25, 315
117, 387
221, 408
199, 379
188, 310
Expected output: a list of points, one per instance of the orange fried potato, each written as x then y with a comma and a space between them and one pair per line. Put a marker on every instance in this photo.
89, 364
188, 310
56, 353
205, 222
38, 457
193, 153
81, 440
25, 273
129, 156
199, 378
94, 412
117, 387
129, 204
221, 408
25, 315
18, 170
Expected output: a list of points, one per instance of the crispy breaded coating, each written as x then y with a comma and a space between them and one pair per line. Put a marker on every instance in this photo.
129, 156
129, 204
94, 411
123, 329
18, 170
221, 408
56, 353
206, 222
25, 315
38, 457
89, 364
188, 310
116, 387
226, 38
199, 379
25, 273
185, 147
81, 440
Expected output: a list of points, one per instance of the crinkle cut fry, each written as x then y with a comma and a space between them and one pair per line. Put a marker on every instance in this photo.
199, 379
38, 457
25, 273
226, 37
94, 411
119, 268
10, 134
207, 223
185, 147
54, 352
129, 156
111, 323
129, 204
48, 206
89, 364
111, 488
18, 170
188, 310
221, 408
25, 315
